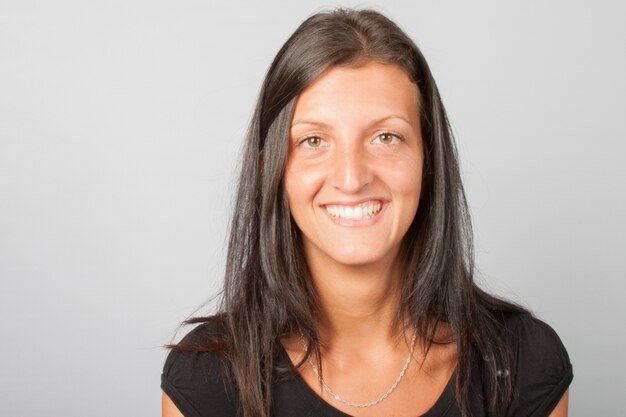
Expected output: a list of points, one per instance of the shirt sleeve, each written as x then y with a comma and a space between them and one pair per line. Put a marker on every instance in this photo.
542, 368
195, 381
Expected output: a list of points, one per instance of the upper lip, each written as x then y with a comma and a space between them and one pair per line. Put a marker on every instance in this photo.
353, 203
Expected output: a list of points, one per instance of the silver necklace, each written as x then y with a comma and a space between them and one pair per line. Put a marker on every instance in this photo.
371, 403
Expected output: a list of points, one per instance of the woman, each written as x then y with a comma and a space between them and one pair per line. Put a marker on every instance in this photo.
349, 282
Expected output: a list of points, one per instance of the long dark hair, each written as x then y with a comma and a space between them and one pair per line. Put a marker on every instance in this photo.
268, 290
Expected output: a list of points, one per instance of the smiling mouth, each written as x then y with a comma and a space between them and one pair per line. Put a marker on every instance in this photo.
362, 211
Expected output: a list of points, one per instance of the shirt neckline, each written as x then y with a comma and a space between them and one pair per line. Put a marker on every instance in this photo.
439, 409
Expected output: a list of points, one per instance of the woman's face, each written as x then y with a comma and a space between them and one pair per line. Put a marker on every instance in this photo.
354, 168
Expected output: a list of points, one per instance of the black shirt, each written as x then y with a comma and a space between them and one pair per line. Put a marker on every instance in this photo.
542, 373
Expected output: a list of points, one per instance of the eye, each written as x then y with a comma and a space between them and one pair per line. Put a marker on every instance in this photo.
388, 138
312, 142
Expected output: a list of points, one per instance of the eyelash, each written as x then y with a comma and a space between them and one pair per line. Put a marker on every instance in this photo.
306, 138
394, 134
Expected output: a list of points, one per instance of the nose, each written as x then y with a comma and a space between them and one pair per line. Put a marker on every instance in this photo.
351, 170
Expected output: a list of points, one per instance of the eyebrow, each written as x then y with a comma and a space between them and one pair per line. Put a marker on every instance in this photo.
372, 123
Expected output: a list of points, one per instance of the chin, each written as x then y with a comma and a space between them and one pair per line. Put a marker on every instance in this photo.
358, 256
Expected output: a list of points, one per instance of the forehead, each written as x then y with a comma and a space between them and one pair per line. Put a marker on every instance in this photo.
370, 91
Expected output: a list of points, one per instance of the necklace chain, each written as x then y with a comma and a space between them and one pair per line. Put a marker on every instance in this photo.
371, 403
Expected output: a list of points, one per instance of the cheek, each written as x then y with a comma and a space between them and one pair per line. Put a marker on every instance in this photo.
302, 184
405, 175
405, 180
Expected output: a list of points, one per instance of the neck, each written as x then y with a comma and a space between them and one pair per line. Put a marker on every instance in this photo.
358, 304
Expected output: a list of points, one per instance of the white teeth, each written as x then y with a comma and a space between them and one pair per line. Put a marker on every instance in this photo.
360, 212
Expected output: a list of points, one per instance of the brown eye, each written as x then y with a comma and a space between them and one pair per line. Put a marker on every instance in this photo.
387, 138
312, 142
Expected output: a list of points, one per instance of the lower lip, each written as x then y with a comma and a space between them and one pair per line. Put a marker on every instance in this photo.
357, 223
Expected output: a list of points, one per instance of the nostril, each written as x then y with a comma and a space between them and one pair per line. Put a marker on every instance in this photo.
351, 172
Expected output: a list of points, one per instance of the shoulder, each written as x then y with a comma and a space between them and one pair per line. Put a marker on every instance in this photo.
531, 339
541, 369
197, 381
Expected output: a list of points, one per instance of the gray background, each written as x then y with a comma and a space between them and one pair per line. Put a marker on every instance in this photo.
120, 126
